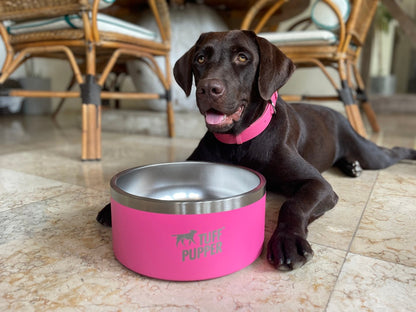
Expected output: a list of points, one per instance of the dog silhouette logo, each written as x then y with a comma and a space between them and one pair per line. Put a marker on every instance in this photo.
180, 238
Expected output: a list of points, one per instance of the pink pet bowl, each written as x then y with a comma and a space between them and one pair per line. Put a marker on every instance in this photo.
187, 221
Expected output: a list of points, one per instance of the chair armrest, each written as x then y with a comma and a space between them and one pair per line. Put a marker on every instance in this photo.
342, 28
160, 11
261, 4
255, 9
94, 26
307, 21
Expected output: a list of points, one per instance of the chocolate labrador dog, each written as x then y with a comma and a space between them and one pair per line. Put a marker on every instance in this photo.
236, 75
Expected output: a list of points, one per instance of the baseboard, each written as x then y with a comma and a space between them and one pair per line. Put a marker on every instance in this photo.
397, 103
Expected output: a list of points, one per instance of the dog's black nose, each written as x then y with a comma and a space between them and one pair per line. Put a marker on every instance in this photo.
211, 87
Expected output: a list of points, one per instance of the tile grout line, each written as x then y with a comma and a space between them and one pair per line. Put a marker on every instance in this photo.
362, 213
348, 251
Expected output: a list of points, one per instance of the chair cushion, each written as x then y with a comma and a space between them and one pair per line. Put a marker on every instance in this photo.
104, 23
308, 37
325, 18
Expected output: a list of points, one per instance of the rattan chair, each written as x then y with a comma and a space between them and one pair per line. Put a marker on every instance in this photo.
342, 54
85, 48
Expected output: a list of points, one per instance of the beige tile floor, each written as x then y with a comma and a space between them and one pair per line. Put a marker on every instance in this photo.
54, 256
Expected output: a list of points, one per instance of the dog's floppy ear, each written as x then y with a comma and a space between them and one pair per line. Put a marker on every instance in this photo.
183, 71
275, 68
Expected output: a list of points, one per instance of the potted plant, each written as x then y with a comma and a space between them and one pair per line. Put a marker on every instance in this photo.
382, 80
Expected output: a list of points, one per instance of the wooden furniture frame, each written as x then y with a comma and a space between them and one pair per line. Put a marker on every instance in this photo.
85, 48
342, 56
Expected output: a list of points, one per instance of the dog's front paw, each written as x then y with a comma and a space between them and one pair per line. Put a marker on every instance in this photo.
104, 216
287, 251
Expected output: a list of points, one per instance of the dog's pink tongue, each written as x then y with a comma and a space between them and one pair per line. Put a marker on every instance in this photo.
214, 118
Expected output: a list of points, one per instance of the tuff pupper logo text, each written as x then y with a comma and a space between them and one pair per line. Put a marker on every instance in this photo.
209, 244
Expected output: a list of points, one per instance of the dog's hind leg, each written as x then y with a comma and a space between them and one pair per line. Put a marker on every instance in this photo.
350, 168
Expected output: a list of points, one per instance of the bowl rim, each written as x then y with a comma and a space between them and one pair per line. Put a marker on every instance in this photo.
188, 206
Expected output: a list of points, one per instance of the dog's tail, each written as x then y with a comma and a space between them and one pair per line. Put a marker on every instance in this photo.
386, 157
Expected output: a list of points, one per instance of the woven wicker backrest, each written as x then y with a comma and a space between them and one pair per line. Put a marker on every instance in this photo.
19, 10
362, 15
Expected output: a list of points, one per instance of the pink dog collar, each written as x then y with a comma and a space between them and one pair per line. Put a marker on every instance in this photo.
254, 129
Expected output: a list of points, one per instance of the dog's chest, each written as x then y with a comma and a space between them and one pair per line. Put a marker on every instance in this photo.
252, 154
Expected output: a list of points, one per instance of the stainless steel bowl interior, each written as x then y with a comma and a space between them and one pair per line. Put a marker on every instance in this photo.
188, 187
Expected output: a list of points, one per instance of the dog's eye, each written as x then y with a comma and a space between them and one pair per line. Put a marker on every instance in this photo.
242, 58
201, 59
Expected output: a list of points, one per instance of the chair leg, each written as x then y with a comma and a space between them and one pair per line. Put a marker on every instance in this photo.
365, 103
371, 116
170, 114
368, 109
117, 87
117, 101
91, 119
351, 108
61, 102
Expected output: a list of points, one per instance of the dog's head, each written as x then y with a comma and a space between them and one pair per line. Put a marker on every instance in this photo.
235, 73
